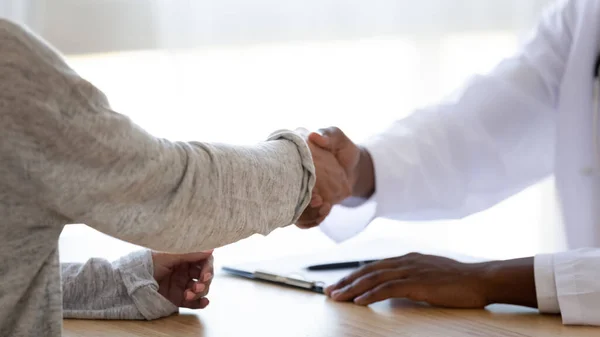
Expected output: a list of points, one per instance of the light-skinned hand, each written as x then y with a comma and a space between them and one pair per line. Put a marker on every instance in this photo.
184, 279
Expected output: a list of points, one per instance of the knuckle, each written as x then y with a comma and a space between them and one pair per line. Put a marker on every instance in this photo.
413, 255
325, 131
373, 277
388, 287
368, 278
364, 270
344, 280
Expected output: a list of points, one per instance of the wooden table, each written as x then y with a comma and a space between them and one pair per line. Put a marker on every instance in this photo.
242, 307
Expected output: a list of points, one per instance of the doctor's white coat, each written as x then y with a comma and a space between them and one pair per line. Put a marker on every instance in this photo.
531, 117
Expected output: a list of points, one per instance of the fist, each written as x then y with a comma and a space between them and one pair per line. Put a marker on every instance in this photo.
184, 279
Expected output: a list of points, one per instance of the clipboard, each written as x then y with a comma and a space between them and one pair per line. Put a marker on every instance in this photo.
289, 281
289, 271
292, 271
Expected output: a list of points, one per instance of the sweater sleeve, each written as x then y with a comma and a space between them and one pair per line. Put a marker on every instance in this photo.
69, 151
124, 289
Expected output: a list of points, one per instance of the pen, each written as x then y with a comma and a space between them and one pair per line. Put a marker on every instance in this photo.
339, 265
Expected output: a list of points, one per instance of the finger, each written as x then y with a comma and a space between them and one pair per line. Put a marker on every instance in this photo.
369, 268
307, 224
320, 220
200, 303
323, 213
334, 135
196, 288
332, 131
196, 292
189, 286
207, 271
200, 289
392, 289
311, 213
394, 262
316, 200
308, 217
320, 140
369, 282
325, 209
194, 271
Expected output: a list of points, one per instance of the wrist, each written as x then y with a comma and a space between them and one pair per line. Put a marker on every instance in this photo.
364, 175
509, 282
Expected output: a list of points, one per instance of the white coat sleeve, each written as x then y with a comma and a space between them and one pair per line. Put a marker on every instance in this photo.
492, 140
568, 283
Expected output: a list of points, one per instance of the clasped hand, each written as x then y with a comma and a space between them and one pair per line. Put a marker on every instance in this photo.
335, 158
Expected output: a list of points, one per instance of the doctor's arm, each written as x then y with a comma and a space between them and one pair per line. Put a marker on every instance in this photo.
458, 158
565, 283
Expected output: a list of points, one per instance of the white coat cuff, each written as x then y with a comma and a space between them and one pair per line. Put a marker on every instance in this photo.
387, 197
545, 284
576, 286
343, 223
354, 215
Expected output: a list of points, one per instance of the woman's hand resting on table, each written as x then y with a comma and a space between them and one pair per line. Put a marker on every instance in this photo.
184, 279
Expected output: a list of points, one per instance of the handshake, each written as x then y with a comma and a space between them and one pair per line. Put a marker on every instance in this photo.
342, 169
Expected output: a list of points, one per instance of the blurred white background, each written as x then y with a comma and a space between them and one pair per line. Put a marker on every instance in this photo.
235, 70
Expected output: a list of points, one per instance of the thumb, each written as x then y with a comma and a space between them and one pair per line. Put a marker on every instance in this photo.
336, 137
320, 140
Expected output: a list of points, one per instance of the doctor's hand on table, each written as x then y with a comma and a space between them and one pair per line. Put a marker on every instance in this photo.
440, 281
184, 279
